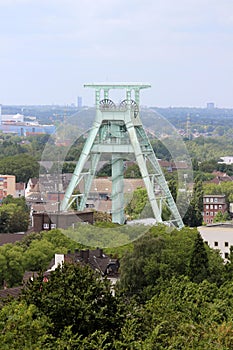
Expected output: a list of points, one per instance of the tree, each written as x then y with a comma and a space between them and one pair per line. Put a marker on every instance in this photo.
132, 171
38, 255
156, 257
11, 264
13, 218
193, 216
106, 170
22, 327
22, 166
75, 297
199, 264
221, 217
138, 202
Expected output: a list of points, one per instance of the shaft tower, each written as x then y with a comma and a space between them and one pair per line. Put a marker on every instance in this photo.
118, 131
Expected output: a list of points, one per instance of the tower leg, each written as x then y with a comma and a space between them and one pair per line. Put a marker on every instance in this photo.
118, 189
79, 167
88, 180
144, 172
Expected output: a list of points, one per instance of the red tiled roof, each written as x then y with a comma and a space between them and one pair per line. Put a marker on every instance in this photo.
20, 186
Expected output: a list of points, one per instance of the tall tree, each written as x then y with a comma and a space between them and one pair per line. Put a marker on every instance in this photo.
76, 297
199, 263
193, 216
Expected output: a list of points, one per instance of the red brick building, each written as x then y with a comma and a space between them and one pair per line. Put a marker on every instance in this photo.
212, 204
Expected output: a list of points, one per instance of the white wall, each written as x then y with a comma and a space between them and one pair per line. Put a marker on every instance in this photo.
218, 237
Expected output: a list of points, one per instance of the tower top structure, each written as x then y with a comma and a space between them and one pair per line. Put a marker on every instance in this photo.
132, 90
119, 85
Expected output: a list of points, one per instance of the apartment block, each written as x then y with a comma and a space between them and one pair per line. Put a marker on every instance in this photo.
7, 186
212, 204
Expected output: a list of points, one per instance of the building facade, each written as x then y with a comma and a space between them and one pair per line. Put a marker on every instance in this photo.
212, 205
7, 186
218, 237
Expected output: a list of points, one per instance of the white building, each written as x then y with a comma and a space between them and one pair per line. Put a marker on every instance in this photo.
219, 236
226, 160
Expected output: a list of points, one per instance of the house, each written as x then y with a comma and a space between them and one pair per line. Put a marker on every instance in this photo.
213, 204
32, 186
220, 177
19, 189
226, 160
98, 261
218, 236
106, 266
45, 220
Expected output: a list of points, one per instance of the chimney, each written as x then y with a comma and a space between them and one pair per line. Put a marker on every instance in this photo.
85, 255
99, 252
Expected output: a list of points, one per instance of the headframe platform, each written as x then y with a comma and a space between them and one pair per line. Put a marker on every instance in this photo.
118, 131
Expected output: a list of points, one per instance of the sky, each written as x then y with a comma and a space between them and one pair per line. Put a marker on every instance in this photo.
182, 48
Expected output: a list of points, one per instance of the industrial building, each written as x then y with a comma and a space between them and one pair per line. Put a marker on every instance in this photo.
15, 124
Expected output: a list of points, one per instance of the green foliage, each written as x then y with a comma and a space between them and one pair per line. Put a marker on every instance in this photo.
199, 264
75, 297
132, 171
156, 305
39, 249
68, 167
38, 255
156, 255
222, 188
222, 217
14, 215
11, 264
138, 202
23, 327
160, 149
159, 255
105, 234
106, 170
22, 166
206, 148
193, 216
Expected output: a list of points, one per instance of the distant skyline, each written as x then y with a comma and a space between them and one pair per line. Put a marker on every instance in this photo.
50, 49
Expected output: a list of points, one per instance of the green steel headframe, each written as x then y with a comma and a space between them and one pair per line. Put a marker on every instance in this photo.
118, 131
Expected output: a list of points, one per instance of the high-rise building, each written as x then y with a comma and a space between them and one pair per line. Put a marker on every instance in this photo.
79, 102
210, 105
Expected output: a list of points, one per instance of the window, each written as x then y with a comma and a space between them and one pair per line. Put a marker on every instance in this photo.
226, 255
211, 213
207, 200
215, 207
226, 244
216, 244
53, 226
211, 200
216, 200
207, 213
220, 206
46, 226
207, 206
211, 206
207, 221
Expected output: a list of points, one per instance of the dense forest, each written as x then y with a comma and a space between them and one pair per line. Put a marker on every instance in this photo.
174, 293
